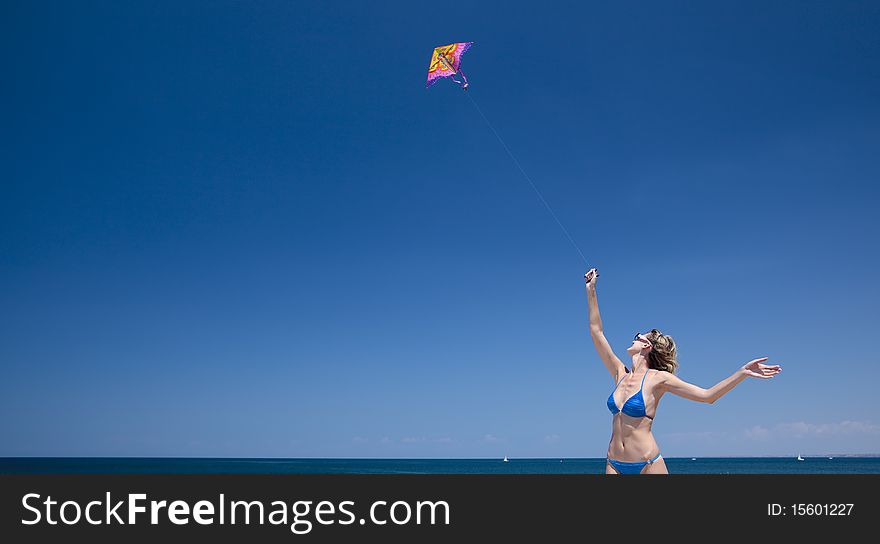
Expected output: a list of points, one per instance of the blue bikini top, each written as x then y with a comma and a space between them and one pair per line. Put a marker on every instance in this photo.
634, 406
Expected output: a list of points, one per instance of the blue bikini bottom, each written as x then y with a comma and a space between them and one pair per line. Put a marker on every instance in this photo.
631, 468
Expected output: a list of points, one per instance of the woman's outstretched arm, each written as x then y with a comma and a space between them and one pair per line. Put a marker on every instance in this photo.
612, 363
675, 385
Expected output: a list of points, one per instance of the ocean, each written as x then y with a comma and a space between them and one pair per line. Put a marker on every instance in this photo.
191, 465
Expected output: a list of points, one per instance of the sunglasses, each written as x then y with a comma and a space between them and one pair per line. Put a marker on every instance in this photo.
639, 337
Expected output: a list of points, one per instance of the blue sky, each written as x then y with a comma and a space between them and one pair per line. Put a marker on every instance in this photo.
231, 229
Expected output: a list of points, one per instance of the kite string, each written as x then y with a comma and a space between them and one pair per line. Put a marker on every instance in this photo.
523, 172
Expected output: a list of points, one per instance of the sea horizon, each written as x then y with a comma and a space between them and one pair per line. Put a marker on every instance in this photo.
805, 455
810, 464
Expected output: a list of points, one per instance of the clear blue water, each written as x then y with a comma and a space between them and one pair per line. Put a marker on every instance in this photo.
167, 465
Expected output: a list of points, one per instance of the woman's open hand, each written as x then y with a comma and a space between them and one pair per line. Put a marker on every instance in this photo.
755, 369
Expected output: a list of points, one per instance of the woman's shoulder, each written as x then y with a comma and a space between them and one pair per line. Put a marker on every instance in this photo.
659, 376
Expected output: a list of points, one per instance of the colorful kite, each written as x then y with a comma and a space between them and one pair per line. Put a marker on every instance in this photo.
445, 62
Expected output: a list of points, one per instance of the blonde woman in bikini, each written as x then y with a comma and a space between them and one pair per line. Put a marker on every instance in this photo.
633, 402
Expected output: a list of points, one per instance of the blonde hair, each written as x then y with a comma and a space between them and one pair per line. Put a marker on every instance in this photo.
664, 353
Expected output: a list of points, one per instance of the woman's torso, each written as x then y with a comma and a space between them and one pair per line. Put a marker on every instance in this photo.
631, 437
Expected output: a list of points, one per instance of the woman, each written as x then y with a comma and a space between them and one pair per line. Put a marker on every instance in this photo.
634, 400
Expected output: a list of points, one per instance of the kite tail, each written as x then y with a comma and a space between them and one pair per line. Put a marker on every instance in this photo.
465, 84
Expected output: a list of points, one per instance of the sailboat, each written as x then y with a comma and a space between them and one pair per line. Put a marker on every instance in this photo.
800, 458
506, 460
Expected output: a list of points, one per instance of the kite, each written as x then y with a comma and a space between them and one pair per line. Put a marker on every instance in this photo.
445, 62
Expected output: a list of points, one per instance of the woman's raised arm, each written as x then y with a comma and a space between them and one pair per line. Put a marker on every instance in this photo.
611, 362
